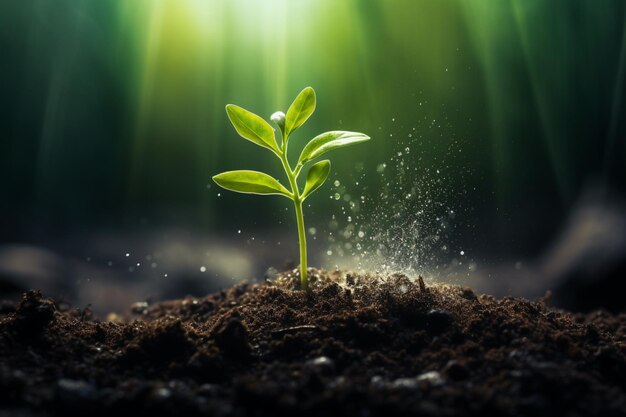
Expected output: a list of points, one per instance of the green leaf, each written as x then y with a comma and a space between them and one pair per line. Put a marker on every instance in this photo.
329, 141
252, 127
250, 182
316, 177
300, 110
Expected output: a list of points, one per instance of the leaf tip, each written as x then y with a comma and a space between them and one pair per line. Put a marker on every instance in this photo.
311, 91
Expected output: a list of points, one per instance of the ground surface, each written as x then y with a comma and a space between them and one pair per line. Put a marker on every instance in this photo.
355, 345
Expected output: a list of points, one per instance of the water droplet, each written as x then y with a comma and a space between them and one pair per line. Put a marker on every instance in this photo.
361, 234
337, 196
337, 183
329, 252
203, 269
219, 194
462, 252
312, 231
238, 231
127, 254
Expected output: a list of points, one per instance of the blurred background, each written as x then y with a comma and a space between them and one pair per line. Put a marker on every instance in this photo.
497, 157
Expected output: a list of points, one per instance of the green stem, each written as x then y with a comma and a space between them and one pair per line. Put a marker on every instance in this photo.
304, 281
297, 201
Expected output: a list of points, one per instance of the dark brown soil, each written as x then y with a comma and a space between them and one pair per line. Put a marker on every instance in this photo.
354, 345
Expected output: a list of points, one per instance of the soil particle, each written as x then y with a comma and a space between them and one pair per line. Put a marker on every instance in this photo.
356, 344
33, 312
231, 336
438, 321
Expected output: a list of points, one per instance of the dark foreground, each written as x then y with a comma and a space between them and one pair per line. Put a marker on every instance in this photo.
369, 347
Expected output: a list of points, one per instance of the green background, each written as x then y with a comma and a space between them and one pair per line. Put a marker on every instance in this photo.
112, 112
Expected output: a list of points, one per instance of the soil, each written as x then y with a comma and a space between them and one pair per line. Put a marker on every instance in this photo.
360, 345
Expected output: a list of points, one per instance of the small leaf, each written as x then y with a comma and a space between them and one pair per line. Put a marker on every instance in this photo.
300, 110
329, 141
250, 182
252, 127
316, 177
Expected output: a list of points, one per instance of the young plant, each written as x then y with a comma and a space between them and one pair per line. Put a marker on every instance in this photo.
255, 129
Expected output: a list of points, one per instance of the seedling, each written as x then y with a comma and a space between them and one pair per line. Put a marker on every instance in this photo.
255, 129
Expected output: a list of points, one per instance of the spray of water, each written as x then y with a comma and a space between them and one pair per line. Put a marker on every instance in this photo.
405, 220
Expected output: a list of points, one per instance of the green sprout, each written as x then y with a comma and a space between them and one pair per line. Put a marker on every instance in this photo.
255, 129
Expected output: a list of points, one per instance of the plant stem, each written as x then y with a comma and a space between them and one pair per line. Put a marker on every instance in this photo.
297, 201
304, 281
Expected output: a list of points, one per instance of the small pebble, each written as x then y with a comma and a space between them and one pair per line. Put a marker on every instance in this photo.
377, 381
207, 390
322, 363
405, 383
139, 308
432, 378
71, 390
161, 393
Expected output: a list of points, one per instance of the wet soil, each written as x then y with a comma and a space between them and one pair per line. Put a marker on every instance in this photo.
359, 345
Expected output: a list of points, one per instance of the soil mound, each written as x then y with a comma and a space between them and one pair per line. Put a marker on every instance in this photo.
360, 345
